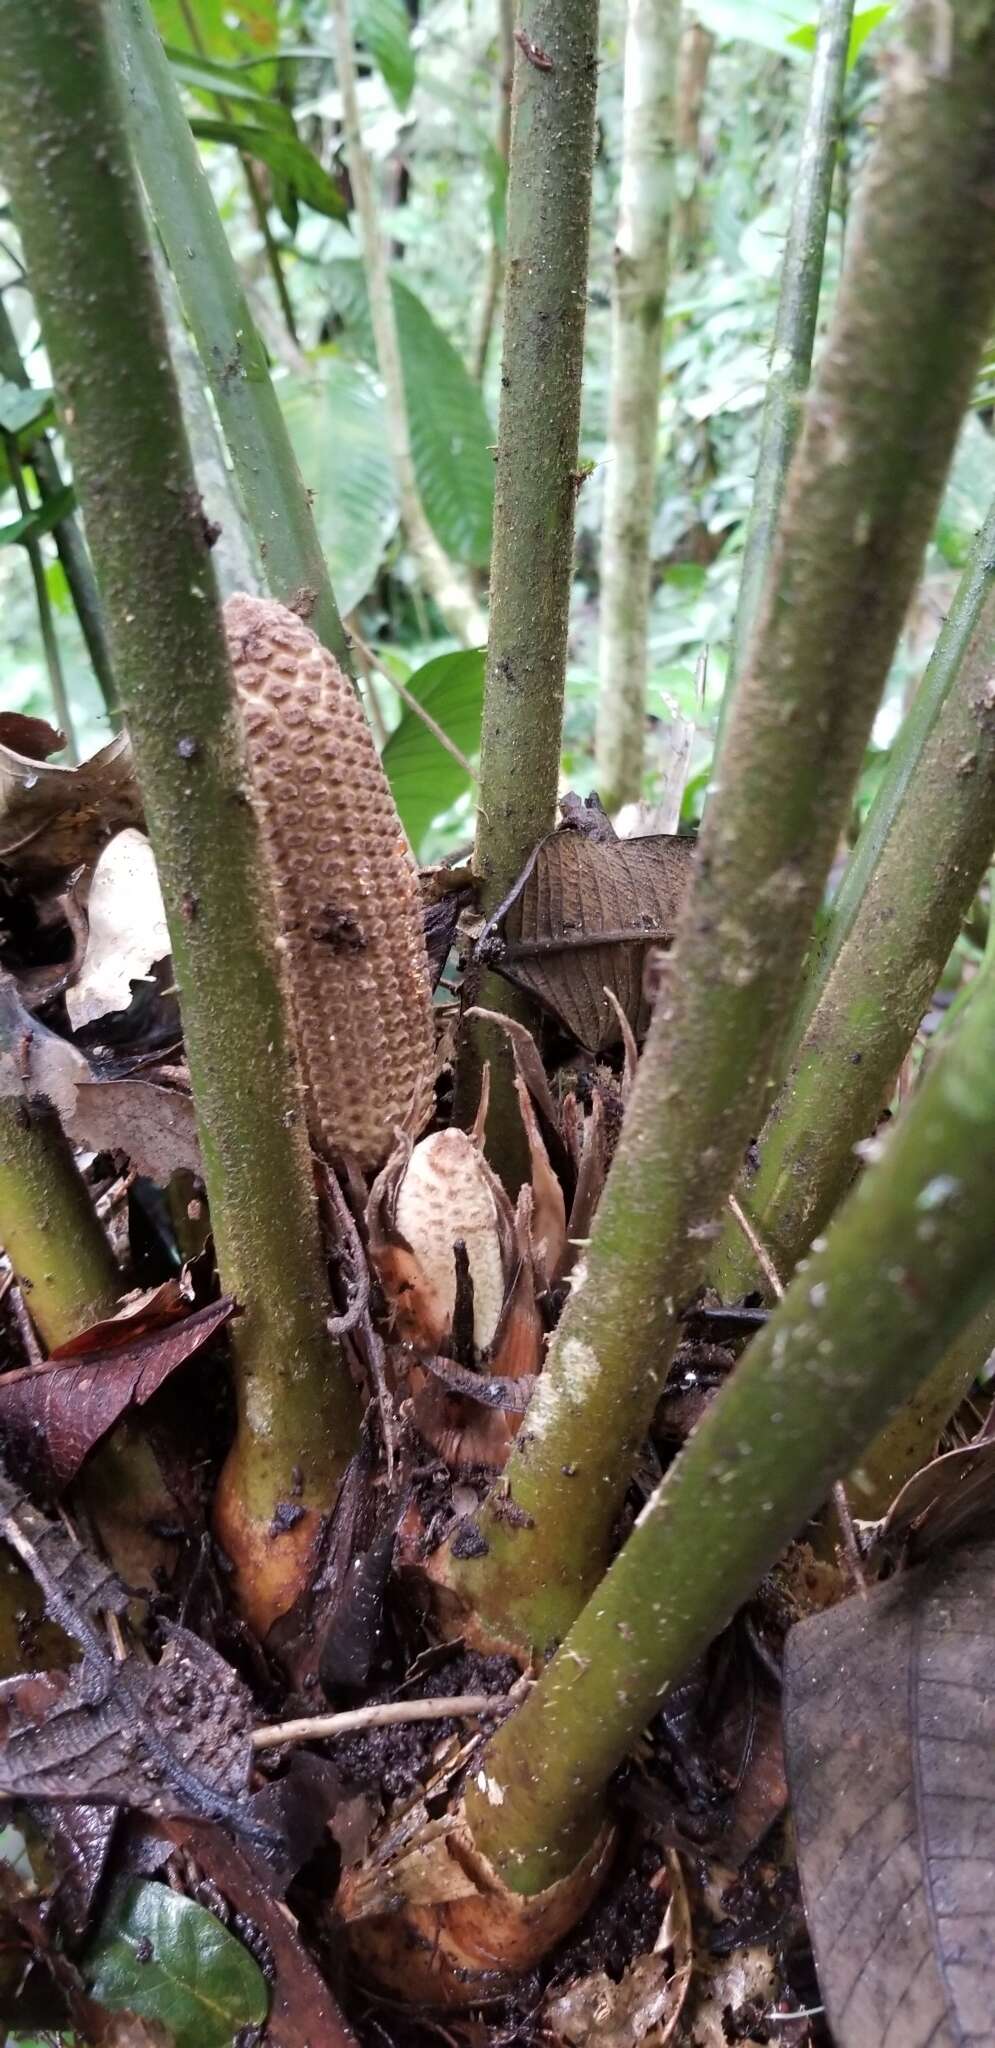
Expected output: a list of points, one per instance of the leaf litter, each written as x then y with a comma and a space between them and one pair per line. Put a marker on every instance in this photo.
137, 1759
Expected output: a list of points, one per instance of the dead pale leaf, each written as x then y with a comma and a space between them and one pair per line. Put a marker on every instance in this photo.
643, 2009
156, 1127
53, 819
584, 918
53, 1415
889, 1720
128, 934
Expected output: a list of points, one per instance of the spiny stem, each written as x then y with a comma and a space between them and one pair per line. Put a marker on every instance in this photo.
865, 481
905, 1267
548, 214
79, 211
888, 942
49, 1227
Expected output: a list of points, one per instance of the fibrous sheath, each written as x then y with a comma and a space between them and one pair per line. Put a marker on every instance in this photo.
345, 887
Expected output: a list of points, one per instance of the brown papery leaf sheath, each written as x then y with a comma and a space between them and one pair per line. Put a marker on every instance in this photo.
344, 883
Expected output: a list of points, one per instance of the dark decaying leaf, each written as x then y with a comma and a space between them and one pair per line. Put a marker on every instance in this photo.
32, 737
166, 1739
584, 918
333, 1629
53, 819
76, 1586
143, 1309
303, 2013
78, 1840
890, 1744
52, 1415
166, 1958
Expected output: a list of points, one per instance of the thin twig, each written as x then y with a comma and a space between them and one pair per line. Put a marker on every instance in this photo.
25, 1327
759, 1250
413, 705
390, 1714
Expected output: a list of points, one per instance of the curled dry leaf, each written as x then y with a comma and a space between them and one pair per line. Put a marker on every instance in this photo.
127, 935
53, 819
643, 2009
344, 884
53, 1415
584, 915
891, 1764
951, 1498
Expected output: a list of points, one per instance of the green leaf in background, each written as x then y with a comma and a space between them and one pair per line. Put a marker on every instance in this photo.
771, 23
285, 154
40, 521
22, 407
224, 28
970, 489
336, 422
425, 779
165, 1958
447, 419
382, 25
210, 79
864, 20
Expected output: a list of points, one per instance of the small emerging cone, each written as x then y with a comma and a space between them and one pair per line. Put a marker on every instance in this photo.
345, 887
454, 1261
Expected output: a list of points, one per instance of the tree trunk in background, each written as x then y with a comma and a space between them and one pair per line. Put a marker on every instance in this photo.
693, 62
502, 140
442, 580
641, 250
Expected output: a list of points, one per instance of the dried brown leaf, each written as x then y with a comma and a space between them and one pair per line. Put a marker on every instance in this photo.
53, 819
52, 1415
156, 1127
889, 1724
584, 919
32, 737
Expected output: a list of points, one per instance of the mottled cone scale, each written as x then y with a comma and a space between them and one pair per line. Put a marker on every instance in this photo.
344, 883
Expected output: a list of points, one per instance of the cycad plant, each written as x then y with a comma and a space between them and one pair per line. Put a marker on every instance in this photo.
516, 1273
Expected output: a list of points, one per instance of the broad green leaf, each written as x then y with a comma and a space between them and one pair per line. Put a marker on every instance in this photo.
424, 778
161, 1956
22, 406
447, 419
212, 81
336, 423
865, 19
41, 520
224, 28
382, 25
285, 154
